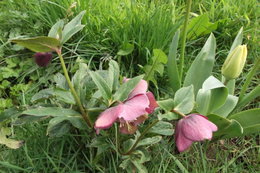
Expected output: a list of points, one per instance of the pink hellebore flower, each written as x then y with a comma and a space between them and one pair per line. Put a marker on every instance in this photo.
42, 59
192, 128
131, 112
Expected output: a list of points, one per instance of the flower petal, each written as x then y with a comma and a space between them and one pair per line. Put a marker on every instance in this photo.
108, 117
153, 104
197, 128
42, 59
134, 107
128, 128
140, 88
182, 142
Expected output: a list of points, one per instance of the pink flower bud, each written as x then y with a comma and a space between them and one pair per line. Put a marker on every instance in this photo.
192, 128
42, 59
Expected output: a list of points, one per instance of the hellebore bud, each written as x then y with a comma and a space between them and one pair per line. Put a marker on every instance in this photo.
235, 62
42, 59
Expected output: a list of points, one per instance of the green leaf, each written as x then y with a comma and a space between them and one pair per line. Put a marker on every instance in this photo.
57, 127
162, 128
211, 97
199, 26
184, 100
238, 40
61, 81
51, 111
43, 95
100, 142
172, 68
159, 56
72, 27
113, 74
249, 97
166, 105
64, 96
126, 49
202, 66
168, 116
38, 44
9, 113
228, 106
56, 30
102, 85
249, 120
149, 141
127, 87
226, 128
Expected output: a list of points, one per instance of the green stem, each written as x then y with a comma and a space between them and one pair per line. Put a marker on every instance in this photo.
74, 93
140, 137
179, 113
249, 79
184, 35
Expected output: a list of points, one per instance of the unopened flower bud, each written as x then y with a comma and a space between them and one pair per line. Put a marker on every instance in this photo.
235, 62
42, 59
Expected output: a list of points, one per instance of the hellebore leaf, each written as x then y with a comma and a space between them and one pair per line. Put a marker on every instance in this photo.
172, 68
57, 127
168, 116
184, 100
60, 81
38, 44
162, 128
101, 84
72, 27
56, 30
126, 49
202, 66
51, 111
113, 73
43, 95
227, 107
11, 143
166, 105
150, 141
126, 88
9, 113
211, 97
249, 120
226, 128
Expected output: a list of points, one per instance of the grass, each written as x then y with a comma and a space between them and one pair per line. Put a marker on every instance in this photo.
109, 25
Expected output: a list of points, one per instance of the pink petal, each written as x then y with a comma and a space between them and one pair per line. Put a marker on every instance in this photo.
197, 128
182, 142
140, 88
108, 117
153, 104
134, 107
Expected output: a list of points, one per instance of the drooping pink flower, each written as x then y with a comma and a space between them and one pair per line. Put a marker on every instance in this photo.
131, 112
193, 128
42, 59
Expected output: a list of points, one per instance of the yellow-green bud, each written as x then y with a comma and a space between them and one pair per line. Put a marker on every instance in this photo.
235, 62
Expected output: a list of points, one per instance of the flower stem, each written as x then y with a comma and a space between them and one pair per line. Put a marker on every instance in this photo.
177, 112
73, 91
184, 35
140, 137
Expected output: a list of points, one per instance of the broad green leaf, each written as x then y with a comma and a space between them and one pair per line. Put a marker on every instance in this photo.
168, 116
200, 26
159, 56
56, 30
226, 128
172, 68
166, 105
57, 127
126, 49
72, 27
9, 113
102, 85
127, 87
149, 141
202, 66
11, 143
238, 40
162, 128
38, 44
64, 96
43, 95
184, 100
51, 111
249, 120
113, 74
211, 97
60, 81
228, 106
101, 143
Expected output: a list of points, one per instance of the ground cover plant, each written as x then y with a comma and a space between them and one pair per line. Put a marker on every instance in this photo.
98, 95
